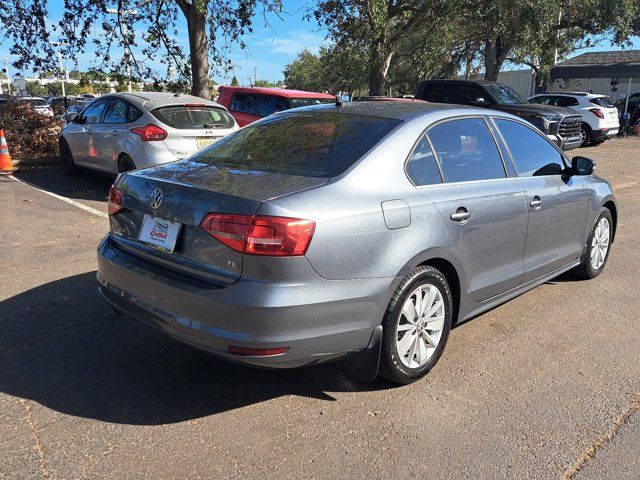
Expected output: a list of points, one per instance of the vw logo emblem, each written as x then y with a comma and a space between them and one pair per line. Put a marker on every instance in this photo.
155, 199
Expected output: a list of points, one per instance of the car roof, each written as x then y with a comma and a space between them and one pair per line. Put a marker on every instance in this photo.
151, 100
281, 92
461, 81
406, 110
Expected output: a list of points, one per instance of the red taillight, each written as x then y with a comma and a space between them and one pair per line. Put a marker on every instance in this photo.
194, 104
260, 235
150, 133
257, 352
115, 200
597, 112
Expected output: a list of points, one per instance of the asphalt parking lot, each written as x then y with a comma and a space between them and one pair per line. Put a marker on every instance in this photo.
545, 386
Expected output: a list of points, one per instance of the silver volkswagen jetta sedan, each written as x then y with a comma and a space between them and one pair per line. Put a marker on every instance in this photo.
359, 231
124, 131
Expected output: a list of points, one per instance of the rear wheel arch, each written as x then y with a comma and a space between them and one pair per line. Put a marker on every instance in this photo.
453, 278
611, 206
122, 158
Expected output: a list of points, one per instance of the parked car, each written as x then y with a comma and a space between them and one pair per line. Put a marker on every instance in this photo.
561, 125
125, 131
358, 232
39, 104
248, 104
599, 117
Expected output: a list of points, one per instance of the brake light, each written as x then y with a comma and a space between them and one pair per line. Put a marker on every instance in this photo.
259, 234
115, 200
150, 133
194, 104
597, 112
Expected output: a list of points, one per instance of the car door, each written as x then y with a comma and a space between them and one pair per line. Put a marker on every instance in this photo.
556, 203
82, 143
484, 209
108, 134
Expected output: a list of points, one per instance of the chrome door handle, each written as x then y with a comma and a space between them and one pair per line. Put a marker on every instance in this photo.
536, 203
461, 215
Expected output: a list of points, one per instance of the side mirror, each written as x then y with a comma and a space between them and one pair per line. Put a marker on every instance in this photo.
582, 166
71, 117
479, 101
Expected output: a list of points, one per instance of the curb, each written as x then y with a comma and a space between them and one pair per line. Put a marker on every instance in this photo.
31, 162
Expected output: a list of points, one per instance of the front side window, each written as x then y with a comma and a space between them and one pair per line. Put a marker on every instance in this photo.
93, 113
532, 154
504, 95
466, 150
311, 145
421, 165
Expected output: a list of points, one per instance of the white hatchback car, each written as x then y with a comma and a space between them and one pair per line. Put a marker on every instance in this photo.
599, 117
126, 131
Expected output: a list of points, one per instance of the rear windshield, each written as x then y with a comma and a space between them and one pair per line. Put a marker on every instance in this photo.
306, 102
36, 102
186, 117
603, 102
311, 145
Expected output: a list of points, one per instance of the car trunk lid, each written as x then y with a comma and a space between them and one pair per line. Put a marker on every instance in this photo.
189, 191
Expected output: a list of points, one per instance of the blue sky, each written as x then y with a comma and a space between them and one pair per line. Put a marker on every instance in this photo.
270, 47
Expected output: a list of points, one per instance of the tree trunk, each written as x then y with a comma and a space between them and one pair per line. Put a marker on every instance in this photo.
495, 53
379, 67
198, 48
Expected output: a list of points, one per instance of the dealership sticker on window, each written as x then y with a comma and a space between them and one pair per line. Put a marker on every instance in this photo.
159, 233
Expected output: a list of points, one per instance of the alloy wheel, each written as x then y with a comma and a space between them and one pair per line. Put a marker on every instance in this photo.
420, 325
600, 243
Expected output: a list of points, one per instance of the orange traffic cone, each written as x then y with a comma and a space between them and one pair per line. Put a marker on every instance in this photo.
6, 166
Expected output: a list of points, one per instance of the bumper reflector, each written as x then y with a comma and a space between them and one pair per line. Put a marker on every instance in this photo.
257, 352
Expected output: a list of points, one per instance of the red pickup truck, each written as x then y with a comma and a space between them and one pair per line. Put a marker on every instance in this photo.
248, 104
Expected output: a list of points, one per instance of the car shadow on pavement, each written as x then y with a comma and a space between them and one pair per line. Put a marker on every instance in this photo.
63, 347
83, 185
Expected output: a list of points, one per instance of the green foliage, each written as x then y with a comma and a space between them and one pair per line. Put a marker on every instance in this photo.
305, 73
234, 82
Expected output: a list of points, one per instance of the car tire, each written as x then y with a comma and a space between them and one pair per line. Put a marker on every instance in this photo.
67, 158
597, 141
585, 133
596, 251
125, 163
412, 346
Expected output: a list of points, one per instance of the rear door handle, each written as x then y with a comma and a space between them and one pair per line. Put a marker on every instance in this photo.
461, 215
536, 203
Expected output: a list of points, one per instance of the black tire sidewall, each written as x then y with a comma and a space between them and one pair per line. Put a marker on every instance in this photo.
67, 158
392, 367
586, 260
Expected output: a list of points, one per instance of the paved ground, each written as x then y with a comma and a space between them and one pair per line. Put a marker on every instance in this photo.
545, 386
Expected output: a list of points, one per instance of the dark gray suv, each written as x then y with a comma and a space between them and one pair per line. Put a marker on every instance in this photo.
360, 231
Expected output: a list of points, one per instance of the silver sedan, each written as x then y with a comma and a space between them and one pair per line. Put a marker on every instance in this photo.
361, 231
125, 131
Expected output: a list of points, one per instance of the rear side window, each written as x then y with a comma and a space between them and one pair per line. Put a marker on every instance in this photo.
532, 154
186, 117
603, 102
566, 102
271, 104
421, 165
311, 145
120, 111
244, 103
466, 150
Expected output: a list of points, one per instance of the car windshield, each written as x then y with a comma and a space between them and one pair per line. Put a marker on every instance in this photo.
188, 116
603, 102
504, 95
306, 102
311, 145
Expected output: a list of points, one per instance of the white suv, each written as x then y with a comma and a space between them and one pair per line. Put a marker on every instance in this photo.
599, 116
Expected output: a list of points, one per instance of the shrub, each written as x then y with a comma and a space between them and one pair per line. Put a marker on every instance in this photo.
29, 133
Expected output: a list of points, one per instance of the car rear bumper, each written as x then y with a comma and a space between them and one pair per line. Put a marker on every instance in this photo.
604, 133
318, 321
